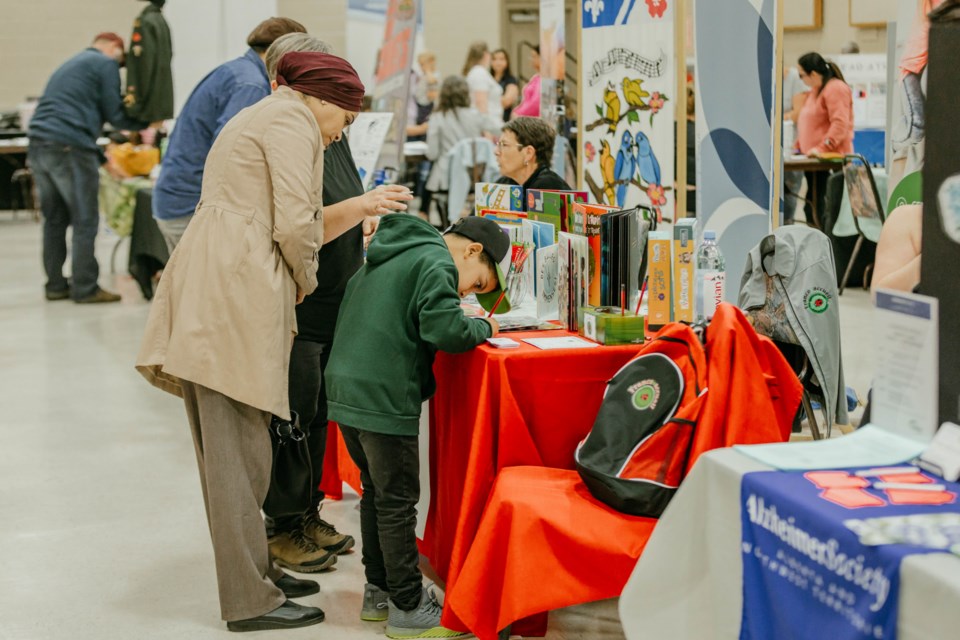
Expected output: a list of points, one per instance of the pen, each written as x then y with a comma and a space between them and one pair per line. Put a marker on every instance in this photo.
908, 486
886, 471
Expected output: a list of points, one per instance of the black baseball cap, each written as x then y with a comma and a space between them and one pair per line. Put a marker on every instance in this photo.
496, 244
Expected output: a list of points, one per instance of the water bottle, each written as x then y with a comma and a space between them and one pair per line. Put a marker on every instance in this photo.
710, 277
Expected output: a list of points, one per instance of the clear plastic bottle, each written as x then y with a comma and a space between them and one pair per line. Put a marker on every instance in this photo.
710, 277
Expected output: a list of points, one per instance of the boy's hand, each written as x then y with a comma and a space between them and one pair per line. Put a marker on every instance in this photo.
387, 198
494, 326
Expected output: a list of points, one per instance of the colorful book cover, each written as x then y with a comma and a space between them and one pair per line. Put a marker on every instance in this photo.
659, 305
572, 277
586, 222
503, 218
505, 197
546, 206
684, 259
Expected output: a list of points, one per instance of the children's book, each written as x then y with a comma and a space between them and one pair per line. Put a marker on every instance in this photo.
505, 197
586, 222
573, 274
503, 218
547, 283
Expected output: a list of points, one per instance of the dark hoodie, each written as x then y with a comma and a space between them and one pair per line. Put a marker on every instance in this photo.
398, 311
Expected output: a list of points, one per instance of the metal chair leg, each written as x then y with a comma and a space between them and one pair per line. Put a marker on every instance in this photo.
811, 418
853, 258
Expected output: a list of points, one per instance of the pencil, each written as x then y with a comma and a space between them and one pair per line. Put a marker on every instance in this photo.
623, 299
643, 289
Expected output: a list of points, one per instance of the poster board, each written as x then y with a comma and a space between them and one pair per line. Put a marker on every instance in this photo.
391, 91
867, 76
366, 137
802, 15
627, 102
552, 61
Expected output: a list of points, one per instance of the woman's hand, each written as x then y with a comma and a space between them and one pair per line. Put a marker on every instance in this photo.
387, 198
300, 295
370, 225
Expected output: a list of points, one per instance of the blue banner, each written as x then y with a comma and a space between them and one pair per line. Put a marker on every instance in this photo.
822, 549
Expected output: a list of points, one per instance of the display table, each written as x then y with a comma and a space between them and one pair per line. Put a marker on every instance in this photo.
688, 582
503, 408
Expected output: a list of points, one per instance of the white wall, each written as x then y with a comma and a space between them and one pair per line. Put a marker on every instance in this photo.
207, 33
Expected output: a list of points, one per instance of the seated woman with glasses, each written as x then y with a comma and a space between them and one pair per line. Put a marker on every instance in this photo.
524, 152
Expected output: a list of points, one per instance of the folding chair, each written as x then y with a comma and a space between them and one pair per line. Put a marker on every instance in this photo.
865, 205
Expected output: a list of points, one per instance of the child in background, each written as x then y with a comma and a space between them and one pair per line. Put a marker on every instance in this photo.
398, 311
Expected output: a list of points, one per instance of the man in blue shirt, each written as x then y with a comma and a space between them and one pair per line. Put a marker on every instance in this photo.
80, 97
226, 90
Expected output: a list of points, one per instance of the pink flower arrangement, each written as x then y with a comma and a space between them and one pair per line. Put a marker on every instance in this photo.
590, 150
656, 195
656, 102
656, 8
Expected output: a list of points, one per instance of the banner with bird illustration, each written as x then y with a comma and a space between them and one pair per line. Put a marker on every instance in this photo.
626, 103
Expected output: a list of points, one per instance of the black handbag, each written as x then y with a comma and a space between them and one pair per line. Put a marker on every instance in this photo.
291, 478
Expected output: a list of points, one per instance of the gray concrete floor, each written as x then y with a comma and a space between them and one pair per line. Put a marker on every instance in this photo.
103, 531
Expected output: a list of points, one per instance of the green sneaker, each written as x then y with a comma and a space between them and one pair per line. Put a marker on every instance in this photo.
422, 622
374, 604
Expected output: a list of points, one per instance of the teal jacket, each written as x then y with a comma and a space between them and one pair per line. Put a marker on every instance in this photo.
398, 311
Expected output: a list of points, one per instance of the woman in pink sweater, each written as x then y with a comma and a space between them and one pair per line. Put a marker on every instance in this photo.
530, 103
825, 124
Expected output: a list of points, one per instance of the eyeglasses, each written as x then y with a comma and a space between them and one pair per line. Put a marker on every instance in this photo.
501, 144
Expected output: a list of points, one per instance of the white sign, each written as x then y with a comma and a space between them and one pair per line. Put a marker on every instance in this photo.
867, 76
366, 137
904, 396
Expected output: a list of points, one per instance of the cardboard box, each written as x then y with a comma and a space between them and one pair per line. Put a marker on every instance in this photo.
659, 306
684, 269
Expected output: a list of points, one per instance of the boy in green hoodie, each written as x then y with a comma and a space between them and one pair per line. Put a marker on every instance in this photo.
399, 310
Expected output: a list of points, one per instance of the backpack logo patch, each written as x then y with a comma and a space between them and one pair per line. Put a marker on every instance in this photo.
645, 394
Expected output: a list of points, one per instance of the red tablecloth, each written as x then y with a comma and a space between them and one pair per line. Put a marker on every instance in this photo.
499, 408
539, 518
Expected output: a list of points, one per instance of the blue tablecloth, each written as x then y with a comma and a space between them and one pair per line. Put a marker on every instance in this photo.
822, 549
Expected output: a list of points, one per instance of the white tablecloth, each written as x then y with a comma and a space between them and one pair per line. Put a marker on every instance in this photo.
689, 581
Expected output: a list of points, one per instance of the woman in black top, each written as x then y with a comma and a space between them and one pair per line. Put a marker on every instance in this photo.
500, 69
524, 151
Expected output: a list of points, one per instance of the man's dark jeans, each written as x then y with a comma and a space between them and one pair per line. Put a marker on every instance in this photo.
390, 476
308, 398
68, 182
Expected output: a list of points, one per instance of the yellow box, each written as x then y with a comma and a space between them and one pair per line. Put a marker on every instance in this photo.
684, 263
659, 287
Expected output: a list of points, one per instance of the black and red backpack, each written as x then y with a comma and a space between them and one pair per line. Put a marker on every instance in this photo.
636, 454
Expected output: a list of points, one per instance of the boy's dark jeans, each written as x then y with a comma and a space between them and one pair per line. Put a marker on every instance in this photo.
68, 180
390, 476
308, 398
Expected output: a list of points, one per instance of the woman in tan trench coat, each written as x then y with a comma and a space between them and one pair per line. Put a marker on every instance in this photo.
222, 322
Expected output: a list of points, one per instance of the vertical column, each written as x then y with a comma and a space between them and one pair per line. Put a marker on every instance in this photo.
736, 80
941, 203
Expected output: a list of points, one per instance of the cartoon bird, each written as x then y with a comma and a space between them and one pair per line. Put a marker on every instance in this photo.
633, 92
625, 168
607, 171
613, 106
647, 164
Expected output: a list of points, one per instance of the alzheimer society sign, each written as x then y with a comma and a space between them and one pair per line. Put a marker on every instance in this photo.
822, 549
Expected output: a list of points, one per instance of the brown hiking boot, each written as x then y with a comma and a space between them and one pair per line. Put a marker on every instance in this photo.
99, 296
294, 550
325, 535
